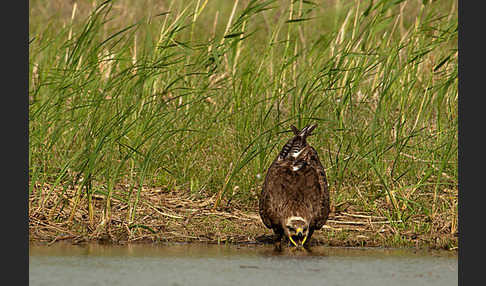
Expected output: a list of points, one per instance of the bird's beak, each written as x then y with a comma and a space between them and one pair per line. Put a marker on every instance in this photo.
300, 233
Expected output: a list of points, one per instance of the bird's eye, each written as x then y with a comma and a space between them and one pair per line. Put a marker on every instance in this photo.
291, 228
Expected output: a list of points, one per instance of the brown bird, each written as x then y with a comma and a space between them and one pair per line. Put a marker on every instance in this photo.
295, 198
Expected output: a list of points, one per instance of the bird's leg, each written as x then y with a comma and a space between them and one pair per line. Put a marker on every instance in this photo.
278, 241
307, 242
307, 246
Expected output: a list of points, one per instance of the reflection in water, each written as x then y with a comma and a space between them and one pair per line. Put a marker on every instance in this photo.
195, 264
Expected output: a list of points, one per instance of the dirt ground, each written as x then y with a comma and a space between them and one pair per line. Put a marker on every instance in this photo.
171, 217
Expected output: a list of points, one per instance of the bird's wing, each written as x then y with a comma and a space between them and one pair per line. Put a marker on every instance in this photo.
321, 201
270, 199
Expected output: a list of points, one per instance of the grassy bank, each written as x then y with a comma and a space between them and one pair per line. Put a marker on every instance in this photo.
135, 102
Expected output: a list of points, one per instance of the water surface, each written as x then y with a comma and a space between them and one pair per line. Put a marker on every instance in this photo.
195, 264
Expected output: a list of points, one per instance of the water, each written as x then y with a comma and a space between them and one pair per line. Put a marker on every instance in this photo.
194, 264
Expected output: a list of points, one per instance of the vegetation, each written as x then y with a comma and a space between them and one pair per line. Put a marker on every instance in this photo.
135, 99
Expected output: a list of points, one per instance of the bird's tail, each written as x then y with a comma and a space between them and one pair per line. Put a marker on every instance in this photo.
294, 146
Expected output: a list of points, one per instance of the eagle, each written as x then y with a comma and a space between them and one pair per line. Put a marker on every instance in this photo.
294, 201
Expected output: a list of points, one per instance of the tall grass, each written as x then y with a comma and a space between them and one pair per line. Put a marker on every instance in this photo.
196, 96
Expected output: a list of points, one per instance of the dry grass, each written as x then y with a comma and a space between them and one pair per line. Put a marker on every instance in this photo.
165, 216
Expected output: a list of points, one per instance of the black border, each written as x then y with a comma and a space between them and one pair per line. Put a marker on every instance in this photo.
470, 141
15, 227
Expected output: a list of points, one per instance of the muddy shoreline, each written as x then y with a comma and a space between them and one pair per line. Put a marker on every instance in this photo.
169, 217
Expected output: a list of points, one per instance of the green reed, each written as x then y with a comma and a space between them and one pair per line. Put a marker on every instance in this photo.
197, 95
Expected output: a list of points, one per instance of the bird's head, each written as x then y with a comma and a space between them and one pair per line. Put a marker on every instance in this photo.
296, 229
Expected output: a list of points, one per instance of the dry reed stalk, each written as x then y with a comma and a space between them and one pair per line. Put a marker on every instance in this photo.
362, 216
238, 48
221, 191
362, 222
161, 213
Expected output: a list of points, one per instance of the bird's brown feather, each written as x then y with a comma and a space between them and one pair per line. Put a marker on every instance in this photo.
288, 193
